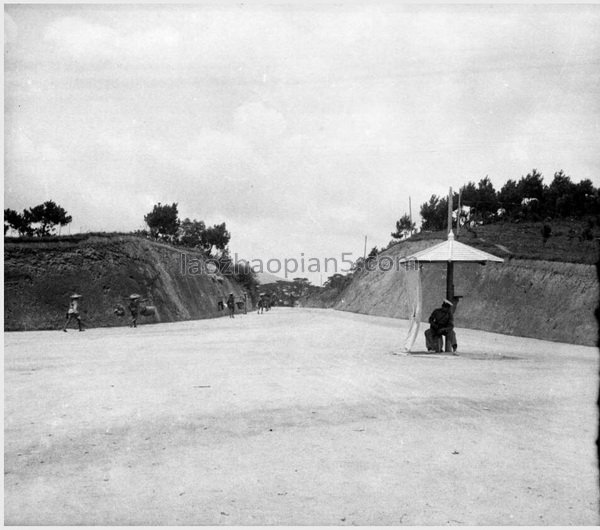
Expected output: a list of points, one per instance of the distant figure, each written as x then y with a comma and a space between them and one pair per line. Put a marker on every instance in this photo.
231, 305
73, 312
134, 309
546, 233
261, 304
221, 305
441, 324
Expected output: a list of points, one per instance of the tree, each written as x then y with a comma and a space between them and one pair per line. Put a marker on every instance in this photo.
435, 212
430, 212
163, 221
338, 281
481, 198
509, 198
216, 236
585, 198
533, 194
17, 221
487, 201
469, 195
47, 216
404, 227
192, 233
531, 186
560, 196
300, 287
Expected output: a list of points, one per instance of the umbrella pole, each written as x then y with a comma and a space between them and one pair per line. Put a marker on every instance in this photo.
450, 282
450, 296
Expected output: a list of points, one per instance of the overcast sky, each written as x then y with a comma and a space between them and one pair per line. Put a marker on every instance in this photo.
303, 127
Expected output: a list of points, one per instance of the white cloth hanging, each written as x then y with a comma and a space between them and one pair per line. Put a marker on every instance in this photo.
412, 283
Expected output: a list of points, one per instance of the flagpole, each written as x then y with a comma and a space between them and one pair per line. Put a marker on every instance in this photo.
450, 210
450, 269
458, 212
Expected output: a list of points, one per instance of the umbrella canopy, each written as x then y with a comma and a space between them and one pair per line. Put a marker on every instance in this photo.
453, 251
450, 252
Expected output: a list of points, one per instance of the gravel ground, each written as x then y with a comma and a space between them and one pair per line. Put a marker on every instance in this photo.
296, 417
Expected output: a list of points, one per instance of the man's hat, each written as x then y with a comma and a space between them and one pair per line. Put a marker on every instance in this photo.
446, 301
75, 295
134, 296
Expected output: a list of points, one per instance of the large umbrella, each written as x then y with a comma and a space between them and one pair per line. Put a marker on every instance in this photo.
451, 251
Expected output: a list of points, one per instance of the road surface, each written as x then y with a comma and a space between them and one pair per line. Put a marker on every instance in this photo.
296, 417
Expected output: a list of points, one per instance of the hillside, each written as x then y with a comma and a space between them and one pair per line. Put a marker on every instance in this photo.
539, 298
524, 240
40, 275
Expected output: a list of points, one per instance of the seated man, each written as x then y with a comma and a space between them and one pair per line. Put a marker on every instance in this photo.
441, 324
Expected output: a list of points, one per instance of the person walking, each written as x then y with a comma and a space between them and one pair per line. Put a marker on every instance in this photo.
134, 309
261, 304
73, 312
231, 305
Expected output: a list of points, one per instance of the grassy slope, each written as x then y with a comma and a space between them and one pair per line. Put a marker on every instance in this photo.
524, 240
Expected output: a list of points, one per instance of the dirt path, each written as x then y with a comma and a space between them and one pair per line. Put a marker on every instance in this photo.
296, 417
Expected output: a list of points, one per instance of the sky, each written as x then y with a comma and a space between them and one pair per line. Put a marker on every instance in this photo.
304, 126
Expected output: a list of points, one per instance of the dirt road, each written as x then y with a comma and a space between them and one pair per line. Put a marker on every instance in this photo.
296, 417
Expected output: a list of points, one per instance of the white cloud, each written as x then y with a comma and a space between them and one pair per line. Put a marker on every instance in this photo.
258, 124
89, 41
79, 38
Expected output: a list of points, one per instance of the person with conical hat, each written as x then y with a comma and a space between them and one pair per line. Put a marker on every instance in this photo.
441, 323
231, 305
134, 309
73, 312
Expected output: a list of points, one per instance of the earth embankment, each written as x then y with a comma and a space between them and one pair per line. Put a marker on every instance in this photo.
531, 298
40, 276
